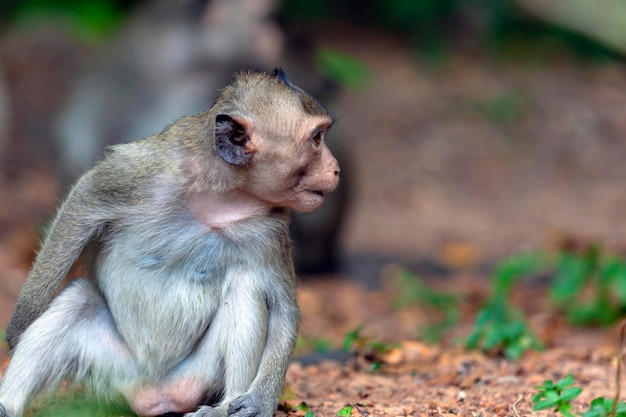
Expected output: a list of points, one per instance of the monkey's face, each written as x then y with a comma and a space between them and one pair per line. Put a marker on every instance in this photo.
287, 164
307, 171
274, 133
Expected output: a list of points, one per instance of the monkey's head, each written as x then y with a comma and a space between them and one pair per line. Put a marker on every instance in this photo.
273, 133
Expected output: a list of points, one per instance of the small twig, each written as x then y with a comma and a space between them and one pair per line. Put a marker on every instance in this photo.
618, 372
363, 413
519, 398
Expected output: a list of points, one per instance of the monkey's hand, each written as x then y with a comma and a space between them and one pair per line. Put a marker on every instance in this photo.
249, 405
205, 411
3, 412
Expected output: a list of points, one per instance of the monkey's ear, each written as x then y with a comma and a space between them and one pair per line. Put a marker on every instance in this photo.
232, 142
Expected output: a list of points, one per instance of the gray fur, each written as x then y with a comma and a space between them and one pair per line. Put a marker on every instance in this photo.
180, 303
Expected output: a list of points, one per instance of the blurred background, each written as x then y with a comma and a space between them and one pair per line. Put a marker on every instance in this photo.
467, 130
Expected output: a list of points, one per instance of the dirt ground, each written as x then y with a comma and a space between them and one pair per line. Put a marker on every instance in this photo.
458, 165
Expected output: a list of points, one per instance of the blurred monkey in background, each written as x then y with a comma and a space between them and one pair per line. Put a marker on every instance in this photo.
168, 61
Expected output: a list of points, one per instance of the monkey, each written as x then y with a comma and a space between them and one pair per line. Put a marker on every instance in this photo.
188, 304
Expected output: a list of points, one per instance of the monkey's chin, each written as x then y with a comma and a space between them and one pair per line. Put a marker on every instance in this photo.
309, 201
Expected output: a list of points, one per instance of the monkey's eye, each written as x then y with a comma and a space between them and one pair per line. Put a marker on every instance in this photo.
317, 137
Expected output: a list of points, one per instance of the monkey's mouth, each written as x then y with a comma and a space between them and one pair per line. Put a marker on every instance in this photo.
317, 192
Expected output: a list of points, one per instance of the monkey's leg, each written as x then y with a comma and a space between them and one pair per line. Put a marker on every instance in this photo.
238, 332
76, 336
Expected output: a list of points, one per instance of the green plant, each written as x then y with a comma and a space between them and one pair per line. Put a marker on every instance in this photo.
512, 269
357, 341
498, 326
557, 396
603, 407
353, 338
590, 286
367, 347
411, 290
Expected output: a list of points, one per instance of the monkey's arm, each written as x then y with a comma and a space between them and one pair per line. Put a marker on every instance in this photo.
284, 321
77, 221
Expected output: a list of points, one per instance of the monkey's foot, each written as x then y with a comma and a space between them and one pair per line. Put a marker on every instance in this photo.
3, 412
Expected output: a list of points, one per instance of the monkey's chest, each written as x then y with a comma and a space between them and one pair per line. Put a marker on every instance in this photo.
163, 293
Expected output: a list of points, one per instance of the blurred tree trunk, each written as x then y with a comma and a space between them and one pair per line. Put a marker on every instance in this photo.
602, 20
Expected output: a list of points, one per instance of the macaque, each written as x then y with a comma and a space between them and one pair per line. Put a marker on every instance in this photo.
189, 301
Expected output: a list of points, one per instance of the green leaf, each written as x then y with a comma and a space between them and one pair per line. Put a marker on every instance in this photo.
573, 272
570, 393
302, 406
566, 381
350, 338
511, 269
566, 410
547, 384
621, 407
346, 411
550, 400
514, 351
309, 414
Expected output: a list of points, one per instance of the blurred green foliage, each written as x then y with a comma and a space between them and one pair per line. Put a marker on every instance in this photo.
89, 20
432, 25
503, 109
342, 68
313, 345
366, 346
496, 26
499, 327
590, 286
411, 290
77, 404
